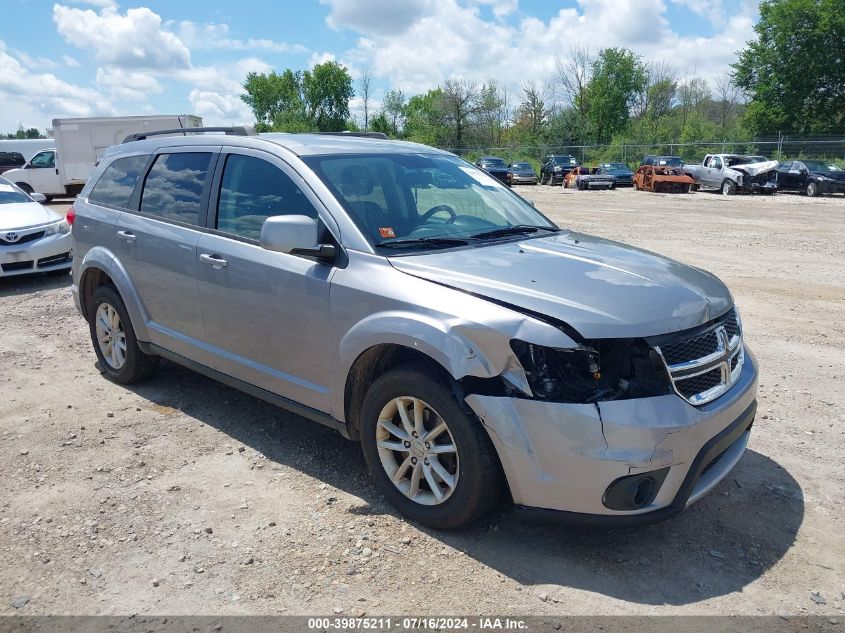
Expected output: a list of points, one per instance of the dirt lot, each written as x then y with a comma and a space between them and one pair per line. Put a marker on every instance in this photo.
184, 496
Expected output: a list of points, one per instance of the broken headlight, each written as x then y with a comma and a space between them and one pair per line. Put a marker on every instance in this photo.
607, 369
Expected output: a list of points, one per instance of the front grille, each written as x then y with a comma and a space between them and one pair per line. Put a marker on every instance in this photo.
691, 349
731, 323
703, 365
691, 387
15, 266
31, 237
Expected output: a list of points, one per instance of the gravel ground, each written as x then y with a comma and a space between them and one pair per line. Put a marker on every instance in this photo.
184, 496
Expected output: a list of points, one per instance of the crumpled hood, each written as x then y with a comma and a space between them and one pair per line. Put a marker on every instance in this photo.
601, 288
22, 215
752, 169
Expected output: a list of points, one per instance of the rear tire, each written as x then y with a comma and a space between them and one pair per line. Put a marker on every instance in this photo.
113, 337
25, 187
473, 466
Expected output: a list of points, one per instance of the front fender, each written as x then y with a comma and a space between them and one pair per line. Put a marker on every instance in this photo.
103, 259
462, 347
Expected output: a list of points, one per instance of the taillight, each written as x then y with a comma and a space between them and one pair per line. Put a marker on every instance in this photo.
70, 216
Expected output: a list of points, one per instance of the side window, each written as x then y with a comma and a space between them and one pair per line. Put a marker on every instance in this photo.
716, 162
251, 191
115, 186
173, 189
44, 159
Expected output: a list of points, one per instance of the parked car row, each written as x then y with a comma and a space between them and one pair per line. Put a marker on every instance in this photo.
728, 173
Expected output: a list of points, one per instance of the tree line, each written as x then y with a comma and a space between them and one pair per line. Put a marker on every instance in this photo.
790, 79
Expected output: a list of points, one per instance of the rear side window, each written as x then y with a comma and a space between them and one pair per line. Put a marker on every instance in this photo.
11, 158
173, 189
251, 191
115, 186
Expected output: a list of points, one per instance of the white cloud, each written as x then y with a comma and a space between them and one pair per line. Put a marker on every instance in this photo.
69, 61
320, 58
220, 108
377, 16
35, 98
126, 84
135, 39
451, 38
216, 36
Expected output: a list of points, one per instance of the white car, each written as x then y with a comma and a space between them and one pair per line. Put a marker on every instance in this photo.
33, 238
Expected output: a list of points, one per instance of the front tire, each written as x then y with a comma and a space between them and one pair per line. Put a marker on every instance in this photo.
113, 337
25, 187
728, 188
432, 460
812, 189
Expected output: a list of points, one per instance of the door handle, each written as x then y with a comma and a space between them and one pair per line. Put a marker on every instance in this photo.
216, 261
127, 236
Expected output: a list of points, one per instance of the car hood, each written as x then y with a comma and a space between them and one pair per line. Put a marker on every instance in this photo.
22, 215
601, 288
620, 172
752, 169
523, 172
493, 168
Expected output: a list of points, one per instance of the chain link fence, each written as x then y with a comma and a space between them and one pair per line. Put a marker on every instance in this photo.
779, 148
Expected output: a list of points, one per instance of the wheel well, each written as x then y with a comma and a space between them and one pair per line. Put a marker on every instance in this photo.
374, 362
92, 279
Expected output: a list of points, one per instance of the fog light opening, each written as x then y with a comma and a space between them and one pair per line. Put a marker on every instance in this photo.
643, 492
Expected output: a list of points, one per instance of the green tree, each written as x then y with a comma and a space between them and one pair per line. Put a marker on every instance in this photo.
794, 72
394, 108
295, 101
327, 89
617, 78
424, 118
380, 123
275, 99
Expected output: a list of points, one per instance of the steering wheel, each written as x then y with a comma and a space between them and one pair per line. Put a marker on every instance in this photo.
440, 207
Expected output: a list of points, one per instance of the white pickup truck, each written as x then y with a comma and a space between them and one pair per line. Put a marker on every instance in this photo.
79, 146
731, 173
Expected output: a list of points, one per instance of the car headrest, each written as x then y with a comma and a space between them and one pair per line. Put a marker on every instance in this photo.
356, 180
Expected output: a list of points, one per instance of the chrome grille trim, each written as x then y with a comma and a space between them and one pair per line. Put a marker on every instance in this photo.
727, 358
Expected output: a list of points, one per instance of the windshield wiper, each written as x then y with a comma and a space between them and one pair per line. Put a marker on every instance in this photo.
517, 229
424, 241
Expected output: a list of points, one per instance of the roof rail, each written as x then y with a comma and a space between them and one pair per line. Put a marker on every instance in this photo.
232, 131
380, 135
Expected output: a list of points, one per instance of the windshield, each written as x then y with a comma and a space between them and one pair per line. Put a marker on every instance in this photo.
672, 161
9, 196
564, 160
522, 166
492, 162
615, 166
817, 165
403, 197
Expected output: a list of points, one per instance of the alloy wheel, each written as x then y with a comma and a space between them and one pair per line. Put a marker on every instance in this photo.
417, 450
110, 335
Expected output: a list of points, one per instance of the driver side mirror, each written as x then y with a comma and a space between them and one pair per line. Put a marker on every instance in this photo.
295, 235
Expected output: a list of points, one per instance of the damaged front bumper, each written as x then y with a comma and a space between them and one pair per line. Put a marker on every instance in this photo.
561, 459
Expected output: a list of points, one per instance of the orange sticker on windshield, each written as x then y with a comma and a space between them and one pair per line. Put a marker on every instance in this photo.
386, 232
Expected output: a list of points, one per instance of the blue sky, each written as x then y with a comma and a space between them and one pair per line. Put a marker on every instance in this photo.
108, 57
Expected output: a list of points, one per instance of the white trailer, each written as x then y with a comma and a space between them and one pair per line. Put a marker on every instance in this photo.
27, 147
80, 144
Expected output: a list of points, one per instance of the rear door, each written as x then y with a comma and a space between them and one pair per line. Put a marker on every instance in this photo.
266, 314
158, 244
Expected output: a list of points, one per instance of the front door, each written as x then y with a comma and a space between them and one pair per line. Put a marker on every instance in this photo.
43, 173
266, 314
158, 246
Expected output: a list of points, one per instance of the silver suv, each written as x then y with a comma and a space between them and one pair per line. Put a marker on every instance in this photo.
404, 297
